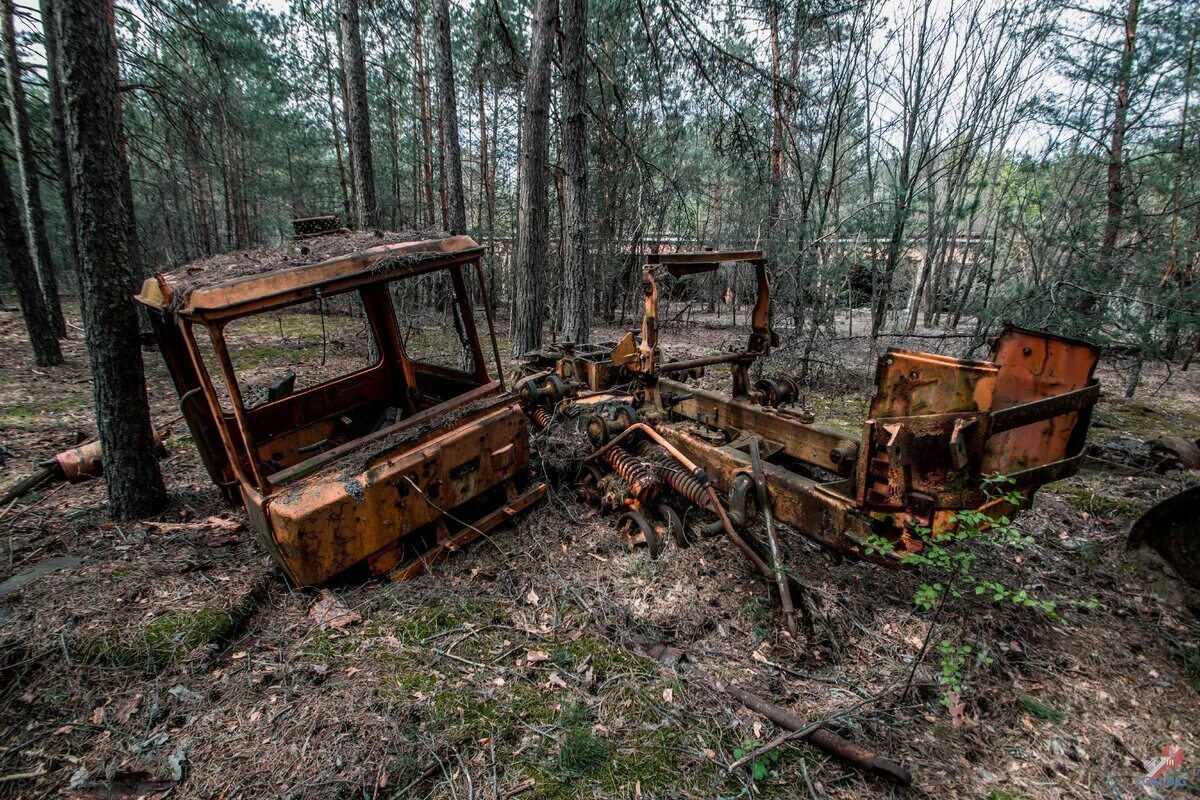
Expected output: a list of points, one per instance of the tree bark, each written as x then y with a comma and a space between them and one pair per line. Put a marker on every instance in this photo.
533, 211
31, 198
445, 68
1116, 189
333, 124
106, 243
57, 131
396, 209
359, 133
776, 188
15, 249
421, 87
576, 294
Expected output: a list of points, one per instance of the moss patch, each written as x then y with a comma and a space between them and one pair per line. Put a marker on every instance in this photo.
1034, 707
605, 659
1146, 421
180, 632
23, 417
165, 639
1100, 505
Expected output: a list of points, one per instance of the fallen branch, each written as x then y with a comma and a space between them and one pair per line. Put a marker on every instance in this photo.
26, 485
803, 732
22, 776
823, 738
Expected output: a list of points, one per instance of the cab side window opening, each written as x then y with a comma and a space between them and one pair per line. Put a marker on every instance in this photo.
431, 324
276, 353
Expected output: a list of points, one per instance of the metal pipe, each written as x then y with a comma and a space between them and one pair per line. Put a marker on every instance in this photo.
705, 361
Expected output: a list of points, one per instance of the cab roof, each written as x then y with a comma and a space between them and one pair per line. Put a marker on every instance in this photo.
245, 281
679, 264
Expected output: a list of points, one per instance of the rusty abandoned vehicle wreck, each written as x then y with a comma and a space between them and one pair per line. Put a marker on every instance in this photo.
939, 427
392, 465
387, 443
384, 468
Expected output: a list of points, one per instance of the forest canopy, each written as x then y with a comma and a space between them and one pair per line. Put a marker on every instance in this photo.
940, 163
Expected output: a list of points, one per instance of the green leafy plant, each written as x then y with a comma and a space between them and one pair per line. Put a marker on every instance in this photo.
947, 557
760, 767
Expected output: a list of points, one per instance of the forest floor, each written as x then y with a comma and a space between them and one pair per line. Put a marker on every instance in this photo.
168, 657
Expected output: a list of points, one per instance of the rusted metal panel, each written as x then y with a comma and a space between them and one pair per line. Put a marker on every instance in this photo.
327, 523
909, 384
1033, 366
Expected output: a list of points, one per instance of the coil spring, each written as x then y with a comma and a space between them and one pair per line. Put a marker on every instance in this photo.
643, 482
541, 416
671, 471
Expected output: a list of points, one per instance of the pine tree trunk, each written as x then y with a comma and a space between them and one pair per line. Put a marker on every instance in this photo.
1116, 160
441, 165
533, 213
359, 133
15, 249
576, 294
31, 199
396, 210
106, 245
422, 89
333, 124
57, 131
445, 68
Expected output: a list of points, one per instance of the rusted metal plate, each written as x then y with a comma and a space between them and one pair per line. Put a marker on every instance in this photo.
909, 384
1033, 366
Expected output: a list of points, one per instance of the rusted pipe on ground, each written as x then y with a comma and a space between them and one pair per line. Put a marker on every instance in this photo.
702, 476
764, 505
825, 739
